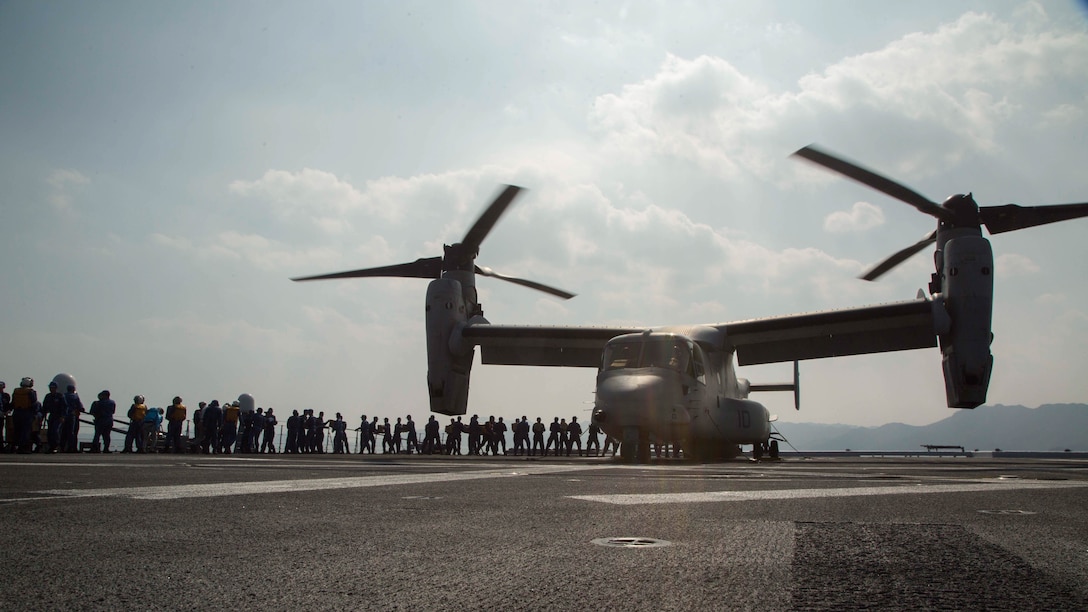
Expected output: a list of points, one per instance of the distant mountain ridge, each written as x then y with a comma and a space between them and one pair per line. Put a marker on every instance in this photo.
1050, 427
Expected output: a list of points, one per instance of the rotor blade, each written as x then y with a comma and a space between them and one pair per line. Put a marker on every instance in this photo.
430, 267
1013, 217
482, 271
872, 179
881, 268
487, 220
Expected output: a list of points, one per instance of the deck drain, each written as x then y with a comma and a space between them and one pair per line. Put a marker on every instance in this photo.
631, 542
1012, 512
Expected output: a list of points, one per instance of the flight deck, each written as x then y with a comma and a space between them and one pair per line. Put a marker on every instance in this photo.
420, 532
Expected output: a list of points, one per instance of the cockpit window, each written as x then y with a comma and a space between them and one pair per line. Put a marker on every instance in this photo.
668, 352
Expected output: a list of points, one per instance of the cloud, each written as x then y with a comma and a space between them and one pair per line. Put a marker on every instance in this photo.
950, 92
62, 183
1010, 264
861, 216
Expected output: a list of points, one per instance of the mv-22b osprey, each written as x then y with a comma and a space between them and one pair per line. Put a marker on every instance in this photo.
677, 384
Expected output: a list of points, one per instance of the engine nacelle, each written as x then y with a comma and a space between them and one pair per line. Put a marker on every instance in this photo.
969, 295
447, 372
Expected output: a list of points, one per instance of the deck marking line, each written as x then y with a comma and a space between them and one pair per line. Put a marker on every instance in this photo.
736, 496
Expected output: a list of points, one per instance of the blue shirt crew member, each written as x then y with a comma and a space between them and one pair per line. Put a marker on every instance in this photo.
269, 442
213, 420
152, 426
102, 411
69, 439
55, 411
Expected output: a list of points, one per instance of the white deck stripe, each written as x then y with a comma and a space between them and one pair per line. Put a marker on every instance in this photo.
291, 486
734, 496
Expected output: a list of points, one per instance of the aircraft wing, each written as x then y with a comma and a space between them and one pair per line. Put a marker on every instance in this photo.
542, 345
898, 326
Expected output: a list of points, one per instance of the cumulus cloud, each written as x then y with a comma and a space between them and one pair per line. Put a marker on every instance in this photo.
860, 217
953, 90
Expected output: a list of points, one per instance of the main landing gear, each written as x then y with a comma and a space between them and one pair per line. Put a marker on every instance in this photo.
769, 448
635, 446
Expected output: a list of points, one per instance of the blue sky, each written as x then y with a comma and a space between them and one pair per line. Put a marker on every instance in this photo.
166, 167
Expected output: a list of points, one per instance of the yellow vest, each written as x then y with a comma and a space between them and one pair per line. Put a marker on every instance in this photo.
230, 414
139, 411
177, 412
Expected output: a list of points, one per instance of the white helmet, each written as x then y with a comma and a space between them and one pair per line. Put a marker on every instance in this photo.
26, 382
139, 399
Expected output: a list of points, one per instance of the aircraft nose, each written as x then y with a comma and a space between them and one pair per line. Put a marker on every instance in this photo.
627, 400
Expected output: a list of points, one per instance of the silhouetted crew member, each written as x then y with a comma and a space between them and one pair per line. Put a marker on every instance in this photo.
319, 433
593, 442
232, 413
474, 433
562, 437
55, 410
24, 405
339, 435
538, 437
198, 423
410, 434
175, 416
294, 433
69, 439
431, 431
491, 436
374, 436
574, 436
500, 434
269, 442
5, 407
398, 431
553, 436
152, 427
363, 429
213, 421
102, 411
387, 436
610, 441
256, 428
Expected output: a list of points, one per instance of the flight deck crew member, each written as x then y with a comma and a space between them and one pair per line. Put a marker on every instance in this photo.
593, 442
574, 436
152, 427
269, 442
538, 437
410, 434
339, 435
24, 405
69, 440
398, 431
294, 430
364, 433
474, 433
500, 433
256, 428
431, 441
232, 414
374, 436
319, 432
136, 414
56, 410
553, 436
5, 408
102, 411
175, 416
213, 420
387, 436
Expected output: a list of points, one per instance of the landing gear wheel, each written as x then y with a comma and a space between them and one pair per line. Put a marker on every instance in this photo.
629, 446
643, 448
774, 449
757, 451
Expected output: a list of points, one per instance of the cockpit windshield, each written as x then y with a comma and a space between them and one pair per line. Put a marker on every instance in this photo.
666, 352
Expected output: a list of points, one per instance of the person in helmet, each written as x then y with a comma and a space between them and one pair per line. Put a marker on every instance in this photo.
175, 416
102, 411
24, 405
70, 436
136, 414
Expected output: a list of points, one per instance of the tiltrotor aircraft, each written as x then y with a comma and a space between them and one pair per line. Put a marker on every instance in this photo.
678, 384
